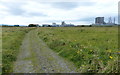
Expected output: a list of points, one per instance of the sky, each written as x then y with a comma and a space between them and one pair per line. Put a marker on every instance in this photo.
24, 12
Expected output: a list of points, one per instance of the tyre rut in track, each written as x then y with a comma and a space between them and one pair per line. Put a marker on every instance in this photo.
36, 57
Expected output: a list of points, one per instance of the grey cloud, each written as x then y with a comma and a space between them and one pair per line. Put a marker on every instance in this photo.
37, 14
17, 9
83, 19
14, 8
53, 21
65, 5
88, 3
88, 19
70, 5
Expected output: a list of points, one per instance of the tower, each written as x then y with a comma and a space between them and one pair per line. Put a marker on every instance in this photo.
63, 23
110, 20
114, 20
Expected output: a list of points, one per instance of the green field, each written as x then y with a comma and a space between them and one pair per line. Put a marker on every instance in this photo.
11, 42
92, 49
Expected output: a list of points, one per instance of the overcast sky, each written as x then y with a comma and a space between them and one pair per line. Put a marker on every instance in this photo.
24, 12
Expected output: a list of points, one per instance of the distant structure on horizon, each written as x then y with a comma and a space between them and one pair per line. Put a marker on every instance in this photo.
33, 25
110, 21
63, 24
16, 25
55, 25
100, 21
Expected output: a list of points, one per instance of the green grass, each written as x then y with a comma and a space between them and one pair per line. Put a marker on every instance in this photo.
92, 49
11, 40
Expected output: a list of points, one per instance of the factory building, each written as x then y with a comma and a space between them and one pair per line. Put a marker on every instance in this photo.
99, 21
55, 25
63, 24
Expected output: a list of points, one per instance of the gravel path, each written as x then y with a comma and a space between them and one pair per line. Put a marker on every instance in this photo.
36, 57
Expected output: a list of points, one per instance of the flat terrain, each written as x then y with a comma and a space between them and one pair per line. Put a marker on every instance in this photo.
91, 49
36, 57
12, 38
60, 50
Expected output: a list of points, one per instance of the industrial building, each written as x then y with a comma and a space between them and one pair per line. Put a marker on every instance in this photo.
63, 24
48, 25
55, 25
99, 21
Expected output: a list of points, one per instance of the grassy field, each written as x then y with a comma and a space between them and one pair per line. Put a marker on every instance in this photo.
11, 41
92, 49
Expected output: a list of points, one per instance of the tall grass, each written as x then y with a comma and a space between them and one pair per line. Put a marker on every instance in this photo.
92, 49
11, 40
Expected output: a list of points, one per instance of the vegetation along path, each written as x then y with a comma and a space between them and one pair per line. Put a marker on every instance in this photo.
36, 57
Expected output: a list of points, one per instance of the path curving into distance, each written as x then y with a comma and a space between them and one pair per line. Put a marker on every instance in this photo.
36, 57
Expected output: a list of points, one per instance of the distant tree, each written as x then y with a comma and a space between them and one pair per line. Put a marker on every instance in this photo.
16, 25
90, 25
49, 25
33, 25
83, 26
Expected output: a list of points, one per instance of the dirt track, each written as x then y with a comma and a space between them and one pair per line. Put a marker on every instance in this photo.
36, 57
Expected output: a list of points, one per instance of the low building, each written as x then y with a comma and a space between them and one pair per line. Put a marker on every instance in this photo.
69, 25
63, 24
55, 25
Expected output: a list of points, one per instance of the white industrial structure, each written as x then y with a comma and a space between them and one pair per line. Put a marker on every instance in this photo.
55, 25
63, 24
100, 21
110, 21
